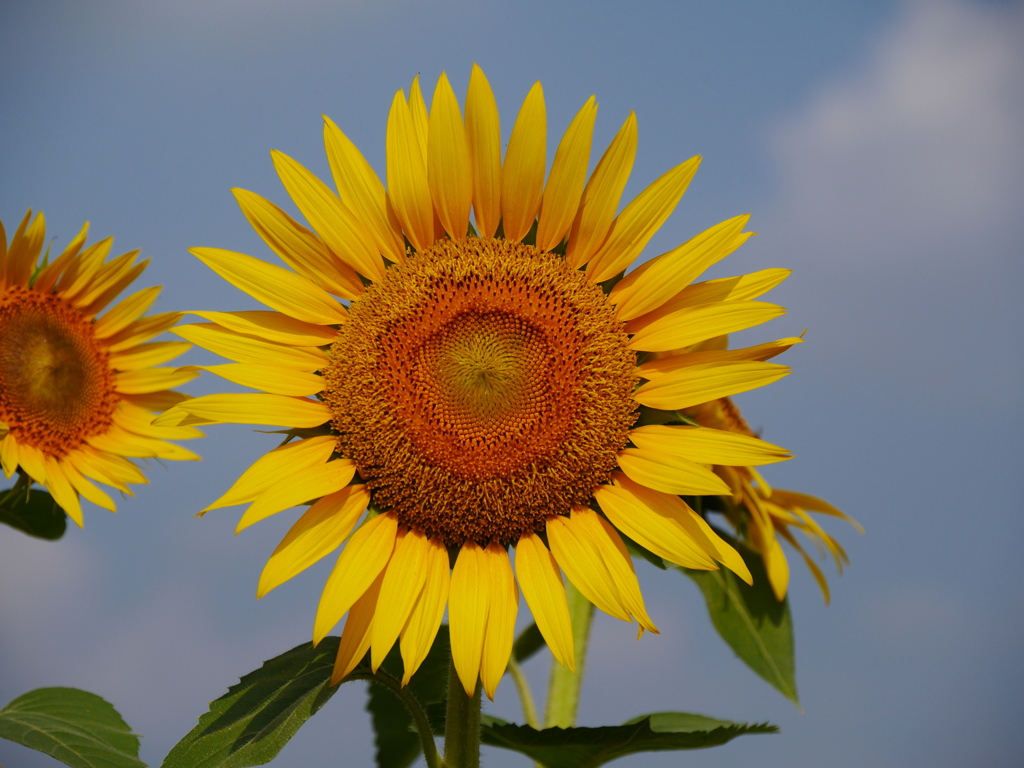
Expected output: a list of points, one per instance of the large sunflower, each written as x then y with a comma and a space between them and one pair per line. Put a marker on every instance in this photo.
77, 391
481, 392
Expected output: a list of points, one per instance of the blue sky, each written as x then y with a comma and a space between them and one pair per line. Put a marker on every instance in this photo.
878, 147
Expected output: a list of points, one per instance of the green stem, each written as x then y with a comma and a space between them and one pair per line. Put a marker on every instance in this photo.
564, 688
461, 725
525, 696
415, 710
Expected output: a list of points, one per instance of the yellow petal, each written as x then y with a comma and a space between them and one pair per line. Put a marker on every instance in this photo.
421, 629
581, 560
274, 467
300, 486
111, 470
564, 189
251, 408
321, 530
483, 135
146, 355
82, 269
403, 583
655, 282
139, 420
448, 165
125, 312
278, 288
26, 246
247, 349
669, 473
273, 326
150, 380
85, 488
141, 330
692, 324
620, 566
269, 378
49, 274
601, 196
503, 605
541, 582
355, 638
358, 566
407, 175
121, 442
297, 247
418, 114
698, 384
522, 176
62, 491
360, 188
639, 220
738, 288
672, 363
813, 503
467, 612
708, 446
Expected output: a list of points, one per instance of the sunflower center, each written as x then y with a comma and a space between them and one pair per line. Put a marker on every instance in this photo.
480, 388
56, 385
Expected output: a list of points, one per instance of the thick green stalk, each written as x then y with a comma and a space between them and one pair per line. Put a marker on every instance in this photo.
564, 688
462, 725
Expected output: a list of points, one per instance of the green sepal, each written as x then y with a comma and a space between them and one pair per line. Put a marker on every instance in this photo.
752, 622
253, 721
591, 747
32, 511
530, 641
398, 743
76, 727
647, 415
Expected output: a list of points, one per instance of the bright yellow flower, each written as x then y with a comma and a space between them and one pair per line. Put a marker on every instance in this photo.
77, 392
481, 391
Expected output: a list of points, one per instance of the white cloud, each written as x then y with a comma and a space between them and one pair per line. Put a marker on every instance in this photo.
924, 139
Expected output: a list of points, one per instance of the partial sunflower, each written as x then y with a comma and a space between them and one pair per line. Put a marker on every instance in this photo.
760, 514
78, 392
477, 386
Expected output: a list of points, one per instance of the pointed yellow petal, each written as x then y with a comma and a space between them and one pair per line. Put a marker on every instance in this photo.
739, 288
403, 583
252, 408
564, 189
301, 486
299, 248
698, 384
503, 605
692, 324
407, 175
620, 566
321, 530
26, 246
274, 467
111, 470
467, 612
49, 274
358, 566
247, 349
362, 191
541, 582
355, 638
278, 288
62, 491
121, 442
813, 503
656, 521
81, 270
672, 363
581, 560
150, 380
448, 166
639, 220
269, 378
601, 196
85, 488
418, 114
655, 282
522, 176
669, 473
139, 420
273, 326
141, 330
421, 629
483, 134
708, 446
146, 355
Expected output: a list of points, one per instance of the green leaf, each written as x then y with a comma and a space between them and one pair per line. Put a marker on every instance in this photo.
255, 719
34, 512
591, 747
76, 727
398, 744
754, 624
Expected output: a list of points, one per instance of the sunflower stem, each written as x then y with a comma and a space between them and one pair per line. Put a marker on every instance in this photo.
525, 695
564, 688
462, 725
412, 705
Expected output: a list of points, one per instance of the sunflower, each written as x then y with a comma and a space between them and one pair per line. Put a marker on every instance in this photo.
77, 391
478, 386
762, 514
